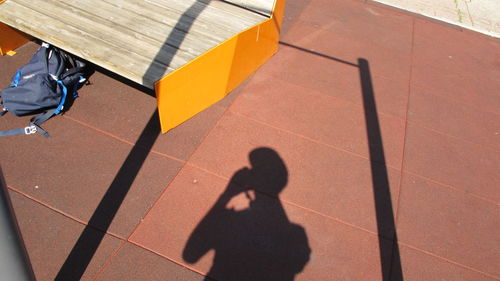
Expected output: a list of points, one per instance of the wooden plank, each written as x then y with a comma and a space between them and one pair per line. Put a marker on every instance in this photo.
125, 30
139, 39
215, 11
117, 59
264, 7
214, 27
157, 15
112, 33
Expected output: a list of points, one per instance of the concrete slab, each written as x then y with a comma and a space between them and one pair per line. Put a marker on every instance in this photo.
478, 15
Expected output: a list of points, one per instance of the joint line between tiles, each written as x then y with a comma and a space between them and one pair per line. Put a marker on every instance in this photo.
47, 205
60, 212
154, 203
361, 156
311, 139
119, 139
404, 119
448, 260
295, 204
109, 260
98, 130
168, 258
463, 103
185, 163
406, 124
453, 188
323, 94
395, 242
480, 146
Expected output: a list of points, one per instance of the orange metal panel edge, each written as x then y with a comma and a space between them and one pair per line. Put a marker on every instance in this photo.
10, 39
210, 77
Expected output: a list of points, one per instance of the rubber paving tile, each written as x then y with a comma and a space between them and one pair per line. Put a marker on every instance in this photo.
420, 266
449, 224
455, 119
355, 19
452, 162
335, 78
314, 115
345, 30
221, 232
133, 263
49, 238
385, 61
463, 66
327, 180
456, 51
133, 108
479, 93
74, 169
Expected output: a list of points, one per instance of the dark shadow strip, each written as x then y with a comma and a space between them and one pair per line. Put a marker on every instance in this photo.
180, 30
318, 54
90, 239
389, 256
85, 248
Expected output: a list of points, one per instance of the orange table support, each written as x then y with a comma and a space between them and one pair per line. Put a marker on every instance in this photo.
204, 80
211, 76
11, 39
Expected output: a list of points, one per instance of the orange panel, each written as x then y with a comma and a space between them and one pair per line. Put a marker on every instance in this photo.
10, 39
208, 78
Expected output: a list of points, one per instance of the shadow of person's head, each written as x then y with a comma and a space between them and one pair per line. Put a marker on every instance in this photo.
268, 170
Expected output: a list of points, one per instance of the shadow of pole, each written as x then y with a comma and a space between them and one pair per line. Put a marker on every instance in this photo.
93, 234
381, 189
87, 244
165, 56
390, 258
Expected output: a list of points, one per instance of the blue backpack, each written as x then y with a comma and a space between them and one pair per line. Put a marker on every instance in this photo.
45, 86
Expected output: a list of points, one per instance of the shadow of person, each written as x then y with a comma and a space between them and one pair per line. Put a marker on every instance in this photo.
248, 228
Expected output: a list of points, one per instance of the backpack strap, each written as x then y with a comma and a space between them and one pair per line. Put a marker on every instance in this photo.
38, 120
13, 132
29, 130
60, 107
72, 71
15, 80
33, 127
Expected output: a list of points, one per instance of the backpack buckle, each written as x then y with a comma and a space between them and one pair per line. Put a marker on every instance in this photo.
30, 130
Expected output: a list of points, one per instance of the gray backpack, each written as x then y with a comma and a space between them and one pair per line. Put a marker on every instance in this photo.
45, 86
